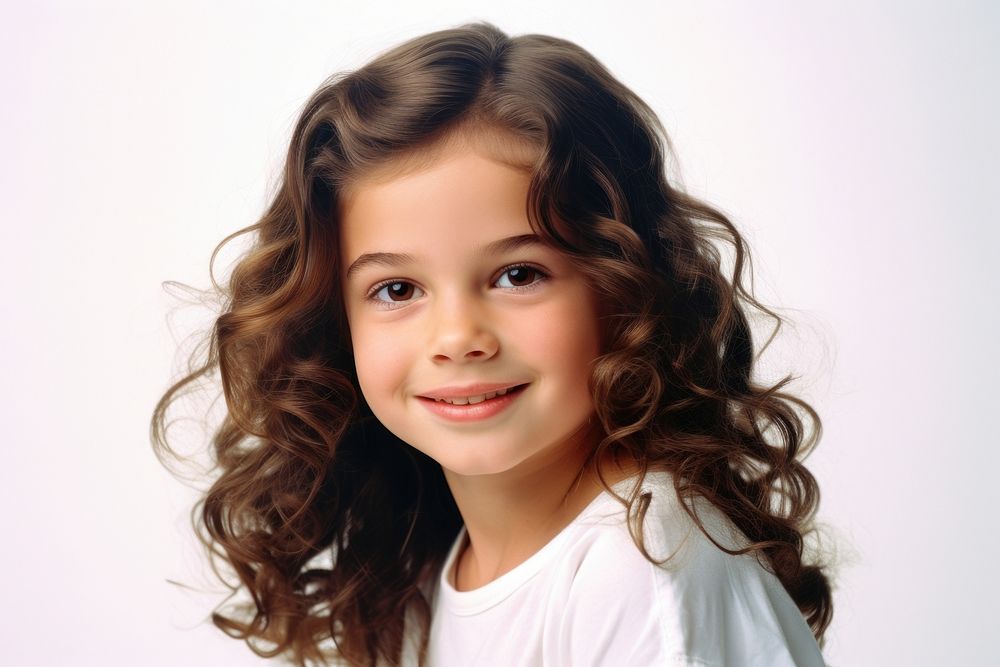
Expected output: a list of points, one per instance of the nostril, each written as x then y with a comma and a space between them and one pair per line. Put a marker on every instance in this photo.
464, 347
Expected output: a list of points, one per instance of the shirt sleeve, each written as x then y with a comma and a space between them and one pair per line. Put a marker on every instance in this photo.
612, 615
705, 608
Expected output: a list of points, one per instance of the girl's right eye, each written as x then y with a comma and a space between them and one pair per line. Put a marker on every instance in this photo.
392, 292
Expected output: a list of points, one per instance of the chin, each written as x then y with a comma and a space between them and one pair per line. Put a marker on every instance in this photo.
476, 463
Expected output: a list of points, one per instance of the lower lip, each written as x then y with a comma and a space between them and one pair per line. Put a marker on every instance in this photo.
476, 412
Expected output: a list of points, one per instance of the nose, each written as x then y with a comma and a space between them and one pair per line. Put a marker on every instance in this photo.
462, 332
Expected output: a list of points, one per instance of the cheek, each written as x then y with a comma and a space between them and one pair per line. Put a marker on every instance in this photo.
379, 362
566, 339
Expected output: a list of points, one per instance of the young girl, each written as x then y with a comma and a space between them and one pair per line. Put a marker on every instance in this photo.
489, 391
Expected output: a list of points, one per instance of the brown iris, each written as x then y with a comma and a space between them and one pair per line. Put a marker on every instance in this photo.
521, 273
401, 290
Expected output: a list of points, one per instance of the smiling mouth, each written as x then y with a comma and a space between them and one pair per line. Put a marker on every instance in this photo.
473, 409
477, 399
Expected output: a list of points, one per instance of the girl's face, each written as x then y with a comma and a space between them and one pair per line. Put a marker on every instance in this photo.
450, 294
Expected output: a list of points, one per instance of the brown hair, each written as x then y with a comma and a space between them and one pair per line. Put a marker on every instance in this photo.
304, 467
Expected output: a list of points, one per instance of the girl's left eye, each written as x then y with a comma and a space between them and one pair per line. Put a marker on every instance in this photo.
520, 277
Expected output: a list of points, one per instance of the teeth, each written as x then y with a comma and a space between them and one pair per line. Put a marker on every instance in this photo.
472, 400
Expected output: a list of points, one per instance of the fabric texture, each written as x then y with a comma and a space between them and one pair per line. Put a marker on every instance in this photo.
589, 598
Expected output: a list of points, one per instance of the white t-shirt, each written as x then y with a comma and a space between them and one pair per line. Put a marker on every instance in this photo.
589, 598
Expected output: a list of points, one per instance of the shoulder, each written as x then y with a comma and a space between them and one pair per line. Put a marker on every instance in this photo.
700, 606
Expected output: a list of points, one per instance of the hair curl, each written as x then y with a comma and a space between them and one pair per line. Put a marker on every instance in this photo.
305, 469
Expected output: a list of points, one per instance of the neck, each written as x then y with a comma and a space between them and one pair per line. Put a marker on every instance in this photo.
511, 515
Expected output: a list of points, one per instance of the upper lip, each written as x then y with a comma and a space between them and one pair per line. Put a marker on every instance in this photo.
467, 390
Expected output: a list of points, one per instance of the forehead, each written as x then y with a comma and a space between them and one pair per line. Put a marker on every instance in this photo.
459, 198
497, 144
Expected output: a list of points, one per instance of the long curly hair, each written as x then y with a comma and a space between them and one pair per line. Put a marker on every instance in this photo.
304, 469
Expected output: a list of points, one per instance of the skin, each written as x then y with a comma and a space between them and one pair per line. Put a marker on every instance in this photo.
453, 316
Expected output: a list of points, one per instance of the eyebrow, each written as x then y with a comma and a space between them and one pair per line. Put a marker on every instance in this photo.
497, 247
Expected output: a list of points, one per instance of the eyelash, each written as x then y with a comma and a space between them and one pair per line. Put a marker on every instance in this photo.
542, 276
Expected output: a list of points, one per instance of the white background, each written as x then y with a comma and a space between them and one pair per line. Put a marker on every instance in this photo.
854, 143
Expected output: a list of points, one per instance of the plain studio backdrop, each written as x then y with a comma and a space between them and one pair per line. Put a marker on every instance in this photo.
855, 144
